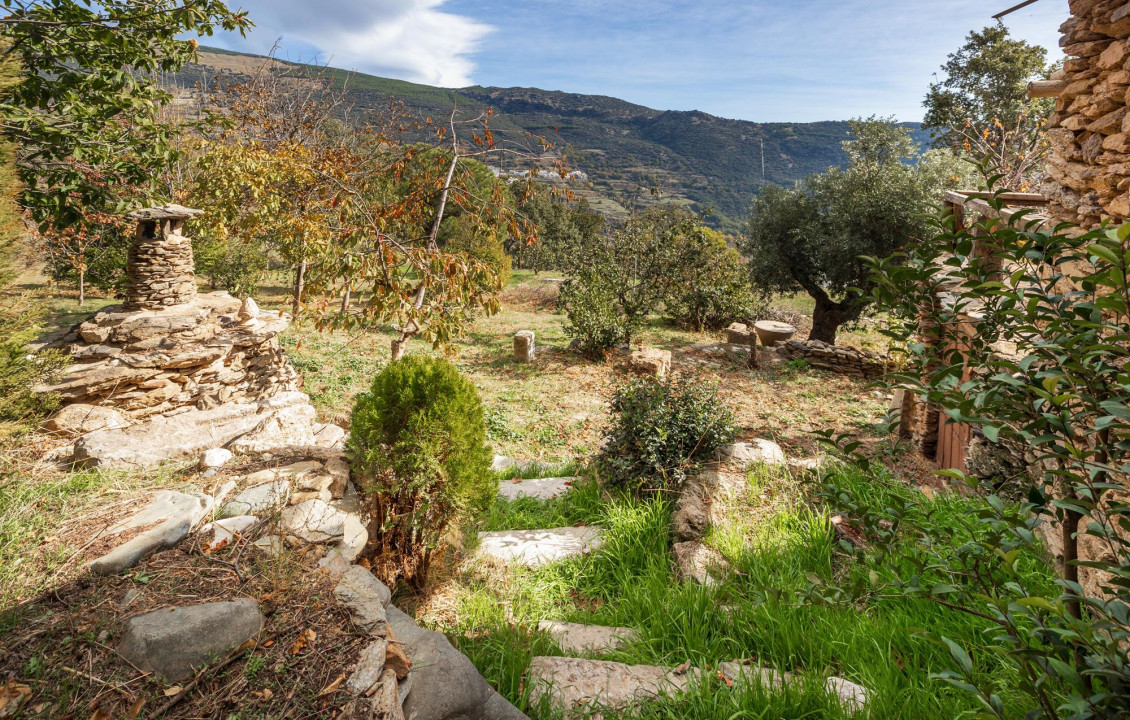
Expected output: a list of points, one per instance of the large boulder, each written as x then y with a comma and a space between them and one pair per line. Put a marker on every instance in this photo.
445, 684
709, 494
172, 642
80, 419
584, 688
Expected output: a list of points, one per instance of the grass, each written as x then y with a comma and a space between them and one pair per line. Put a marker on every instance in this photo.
759, 613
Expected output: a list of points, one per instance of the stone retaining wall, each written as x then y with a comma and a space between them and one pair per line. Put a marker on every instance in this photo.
836, 358
1089, 160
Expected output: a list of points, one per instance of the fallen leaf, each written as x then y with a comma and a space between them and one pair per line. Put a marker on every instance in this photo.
135, 709
723, 678
332, 687
170, 691
100, 714
683, 668
265, 694
269, 643
308, 636
12, 697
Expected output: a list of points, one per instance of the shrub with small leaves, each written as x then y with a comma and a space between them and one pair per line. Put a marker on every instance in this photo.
417, 443
595, 321
661, 429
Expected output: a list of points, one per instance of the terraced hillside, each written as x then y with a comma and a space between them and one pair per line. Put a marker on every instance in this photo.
633, 155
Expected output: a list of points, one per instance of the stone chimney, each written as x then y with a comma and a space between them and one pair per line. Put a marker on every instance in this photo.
160, 271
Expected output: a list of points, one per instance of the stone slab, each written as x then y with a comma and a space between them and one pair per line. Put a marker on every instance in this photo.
129, 554
537, 488
578, 639
538, 547
578, 687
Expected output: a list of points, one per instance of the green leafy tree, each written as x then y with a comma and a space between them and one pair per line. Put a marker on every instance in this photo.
712, 288
811, 237
564, 228
981, 106
87, 114
1023, 330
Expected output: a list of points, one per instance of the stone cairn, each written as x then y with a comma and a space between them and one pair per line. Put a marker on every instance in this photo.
168, 351
836, 358
1088, 167
161, 271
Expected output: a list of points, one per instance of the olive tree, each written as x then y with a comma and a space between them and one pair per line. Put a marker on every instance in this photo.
811, 237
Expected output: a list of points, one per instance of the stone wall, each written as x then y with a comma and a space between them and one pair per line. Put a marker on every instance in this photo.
160, 270
836, 358
1089, 159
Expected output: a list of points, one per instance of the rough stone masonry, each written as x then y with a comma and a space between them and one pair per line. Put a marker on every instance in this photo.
1089, 132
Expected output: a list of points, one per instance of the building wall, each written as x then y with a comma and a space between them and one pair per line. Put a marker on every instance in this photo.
1089, 160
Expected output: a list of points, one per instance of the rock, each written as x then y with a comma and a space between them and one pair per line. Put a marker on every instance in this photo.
166, 505
738, 334
353, 539
338, 469
369, 668
80, 419
445, 684
125, 556
538, 547
299, 470
650, 361
216, 457
270, 544
224, 531
334, 564
755, 452
172, 642
290, 427
328, 435
313, 521
397, 660
771, 332
524, 346
258, 500
576, 687
539, 488
366, 597
699, 563
577, 639
167, 437
705, 498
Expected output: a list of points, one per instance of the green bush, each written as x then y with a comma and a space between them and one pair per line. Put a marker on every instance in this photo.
661, 429
20, 408
596, 323
418, 446
713, 289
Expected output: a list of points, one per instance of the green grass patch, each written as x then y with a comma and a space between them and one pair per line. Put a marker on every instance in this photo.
579, 506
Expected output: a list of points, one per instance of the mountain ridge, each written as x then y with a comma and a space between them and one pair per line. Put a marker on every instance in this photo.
632, 155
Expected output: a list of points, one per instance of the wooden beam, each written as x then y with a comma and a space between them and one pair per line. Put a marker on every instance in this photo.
1046, 88
1013, 9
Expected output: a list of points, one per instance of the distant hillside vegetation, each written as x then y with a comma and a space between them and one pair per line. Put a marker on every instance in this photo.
633, 155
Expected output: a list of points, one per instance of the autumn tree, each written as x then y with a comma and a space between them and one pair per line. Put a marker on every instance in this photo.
981, 107
356, 211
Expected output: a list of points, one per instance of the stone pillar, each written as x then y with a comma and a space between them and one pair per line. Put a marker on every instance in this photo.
160, 270
524, 346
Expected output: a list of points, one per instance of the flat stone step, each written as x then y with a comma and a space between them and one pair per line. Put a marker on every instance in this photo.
578, 639
577, 687
580, 687
539, 547
537, 488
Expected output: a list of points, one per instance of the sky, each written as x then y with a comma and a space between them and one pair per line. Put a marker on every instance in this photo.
758, 60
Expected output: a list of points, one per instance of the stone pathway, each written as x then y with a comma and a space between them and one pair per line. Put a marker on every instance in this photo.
533, 548
579, 639
537, 488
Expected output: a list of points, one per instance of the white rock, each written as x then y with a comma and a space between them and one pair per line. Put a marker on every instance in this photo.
224, 531
578, 639
258, 500
580, 687
538, 547
538, 488
80, 419
216, 457
313, 521
756, 451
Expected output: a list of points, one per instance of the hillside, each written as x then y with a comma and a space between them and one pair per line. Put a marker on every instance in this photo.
633, 155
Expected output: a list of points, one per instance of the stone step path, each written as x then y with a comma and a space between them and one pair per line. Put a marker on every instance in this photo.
578, 639
534, 548
537, 488
576, 686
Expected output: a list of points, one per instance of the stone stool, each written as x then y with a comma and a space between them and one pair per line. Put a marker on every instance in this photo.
524, 346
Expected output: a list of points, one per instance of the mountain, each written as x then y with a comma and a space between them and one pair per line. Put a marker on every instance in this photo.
633, 155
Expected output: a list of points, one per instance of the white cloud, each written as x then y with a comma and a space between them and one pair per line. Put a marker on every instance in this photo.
408, 39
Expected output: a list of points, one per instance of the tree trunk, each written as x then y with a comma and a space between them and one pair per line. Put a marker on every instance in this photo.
399, 345
826, 320
81, 287
299, 286
345, 301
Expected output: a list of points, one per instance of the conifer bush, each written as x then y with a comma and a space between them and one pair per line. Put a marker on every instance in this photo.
661, 429
418, 446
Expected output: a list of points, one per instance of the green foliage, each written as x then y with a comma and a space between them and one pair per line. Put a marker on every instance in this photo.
712, 288
1061, 399
662, 428
458, 235
20, 408
417, 442
236, 265
811, 237
564, 229
619, 278
985, 80
87, 114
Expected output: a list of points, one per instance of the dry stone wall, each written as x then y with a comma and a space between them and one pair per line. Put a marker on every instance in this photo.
1089, 132
836, 358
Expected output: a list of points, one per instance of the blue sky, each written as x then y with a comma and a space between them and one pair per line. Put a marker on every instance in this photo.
801, 60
